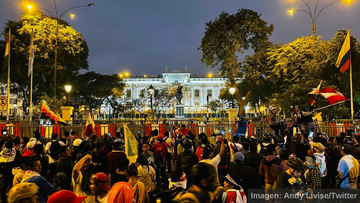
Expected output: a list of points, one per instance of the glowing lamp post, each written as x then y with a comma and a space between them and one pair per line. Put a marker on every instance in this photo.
67, 89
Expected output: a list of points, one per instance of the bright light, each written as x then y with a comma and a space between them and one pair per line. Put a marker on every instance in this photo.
72, 16
291, 11
29, 7
68, 88
210, 75
348, 1
121, 75
145, 76
127, 74
232, 90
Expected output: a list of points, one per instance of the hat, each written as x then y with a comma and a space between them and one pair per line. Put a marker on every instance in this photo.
102, 180
319, 146
31, 144
121, 192
159, 137
77, 142
239, 156
22, 191
65, 196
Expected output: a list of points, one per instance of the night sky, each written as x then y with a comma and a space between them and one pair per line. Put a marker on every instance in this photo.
144, 36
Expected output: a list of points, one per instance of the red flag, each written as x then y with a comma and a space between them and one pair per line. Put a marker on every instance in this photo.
90, 126
312, 101
332, 96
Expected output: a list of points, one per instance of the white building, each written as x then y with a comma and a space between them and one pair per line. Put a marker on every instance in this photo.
195, 88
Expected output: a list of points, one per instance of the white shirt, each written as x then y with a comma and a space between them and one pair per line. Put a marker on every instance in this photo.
215, 162
48, 145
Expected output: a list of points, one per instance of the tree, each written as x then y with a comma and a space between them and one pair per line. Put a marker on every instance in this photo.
299, 66
228, 36
97, 89
215, 105
72, 55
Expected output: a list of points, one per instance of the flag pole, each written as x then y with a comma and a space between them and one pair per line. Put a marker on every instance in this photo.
323, 107
351, 87
31, 76
8, 81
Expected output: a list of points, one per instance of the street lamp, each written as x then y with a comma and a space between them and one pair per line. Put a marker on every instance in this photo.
67, 89
315, 15
57, 31
232, 92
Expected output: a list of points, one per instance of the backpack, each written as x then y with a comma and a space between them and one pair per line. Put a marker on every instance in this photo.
55, 150
159, 152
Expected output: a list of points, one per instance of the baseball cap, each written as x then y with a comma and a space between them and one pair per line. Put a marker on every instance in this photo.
102, 179
65, 196
77, 142
239, 156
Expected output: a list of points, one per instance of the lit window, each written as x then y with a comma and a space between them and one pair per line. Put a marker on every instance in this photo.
197, 93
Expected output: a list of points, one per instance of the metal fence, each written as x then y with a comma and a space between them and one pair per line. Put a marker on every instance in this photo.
229, 129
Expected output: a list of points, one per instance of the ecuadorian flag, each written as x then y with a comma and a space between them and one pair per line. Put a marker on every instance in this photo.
7, 53
344, 58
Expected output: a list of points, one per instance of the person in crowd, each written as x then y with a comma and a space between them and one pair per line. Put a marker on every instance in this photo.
116, 158
292, 178
241, 127
177, 186
140, 193
65, 164
203, 181
121, 192
182, 130
65, 196
61, 182
19, 172
99, 186
99, 158
271, 166
82, 172
106, 143
16, 142
119, 138
273, 123
321, 161
64, 137
348, 169
146, 174
23, 143
222, 167
120, 175
312, 173
32, 175
53, 150
28, 150
75, 148
199, 150
7, 161
252, 158
187, 158
23, 193
169, 151
301, 148
233, 190
38, 138
298, 119
159, 149
248, 178
149, 156
262, 147
177, 143
235, 147
39, 153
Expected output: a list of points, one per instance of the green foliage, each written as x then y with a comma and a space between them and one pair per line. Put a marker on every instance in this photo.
215, 105
228, 36
72, 55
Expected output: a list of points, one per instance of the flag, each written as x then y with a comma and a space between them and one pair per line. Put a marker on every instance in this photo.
131, 145
31, 54
344, 58
312, 101
48, 113
316, 91
332, 96
7, 52
89, 126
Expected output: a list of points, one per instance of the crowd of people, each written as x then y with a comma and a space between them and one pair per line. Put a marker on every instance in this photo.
181, 168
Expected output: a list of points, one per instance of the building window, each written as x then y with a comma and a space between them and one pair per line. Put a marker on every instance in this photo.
128, 93
209, 93
197, 93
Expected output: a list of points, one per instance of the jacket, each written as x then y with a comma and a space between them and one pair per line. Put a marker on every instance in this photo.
271, 167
